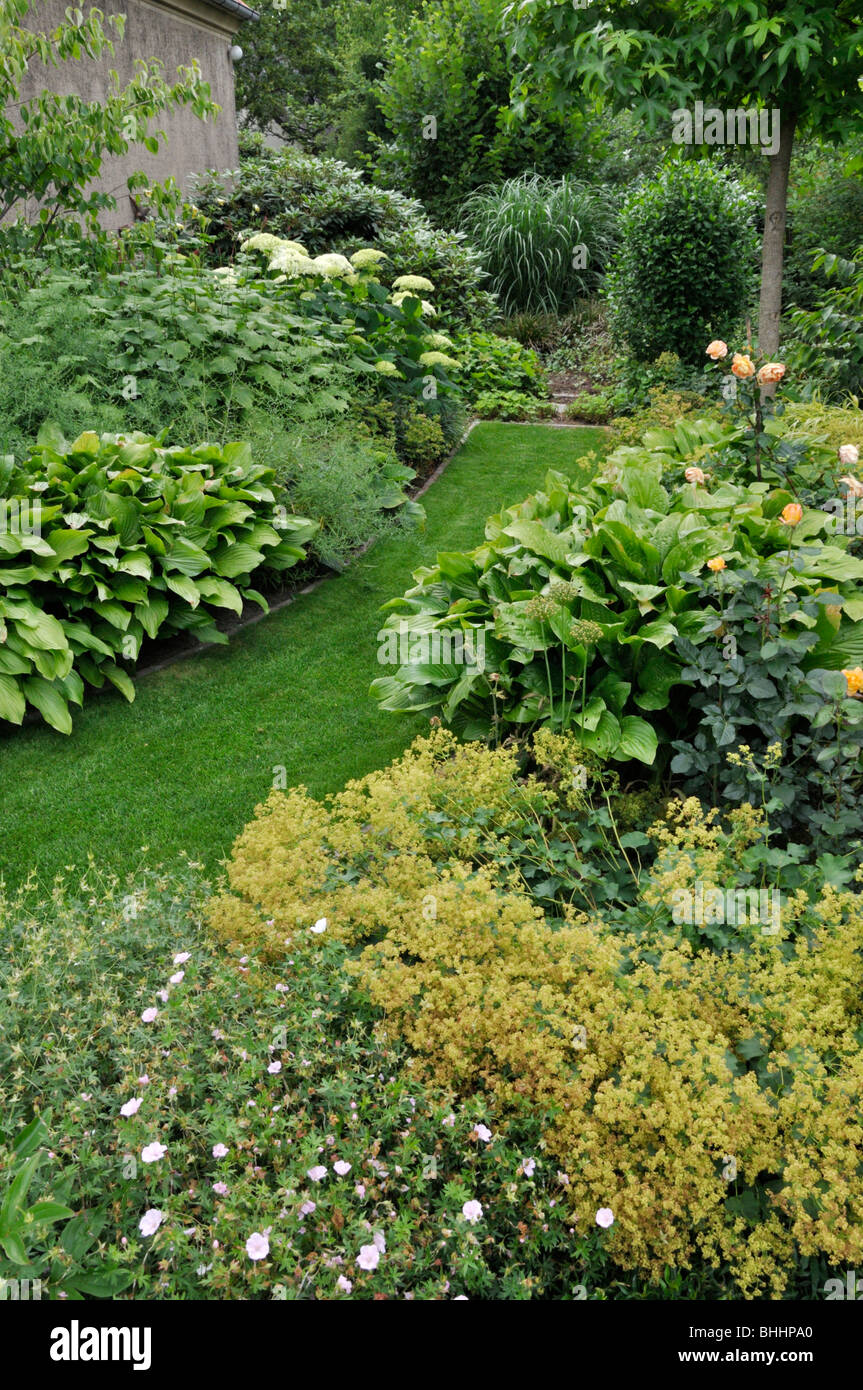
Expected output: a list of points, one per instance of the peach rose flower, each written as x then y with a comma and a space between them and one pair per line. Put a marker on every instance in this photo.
716, 564
849, 455
854, 485
717, 349
770, 372
792, 513
854, 678
694, 475
742, 366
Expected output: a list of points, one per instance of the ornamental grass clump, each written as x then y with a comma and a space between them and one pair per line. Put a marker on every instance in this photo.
708, 1097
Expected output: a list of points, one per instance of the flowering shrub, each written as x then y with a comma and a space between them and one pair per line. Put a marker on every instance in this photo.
711, 1130
223, 1130
387, 333
323, 203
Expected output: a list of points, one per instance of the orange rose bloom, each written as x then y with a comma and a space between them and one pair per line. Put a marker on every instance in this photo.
742, 366
770, 372
792, 513
716, 564
854, 679
717, 349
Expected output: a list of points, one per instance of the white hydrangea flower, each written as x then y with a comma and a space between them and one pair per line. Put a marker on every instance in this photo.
412, 282
261, 241
294, 246
332, 265
437, 359
291, 263
367, 255
428, 309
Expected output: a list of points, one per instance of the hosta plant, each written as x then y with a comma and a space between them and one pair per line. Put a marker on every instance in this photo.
572, 610
128, 540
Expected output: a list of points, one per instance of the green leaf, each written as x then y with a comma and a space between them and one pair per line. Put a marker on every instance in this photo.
12, 702
121, 679
541, 541
233, 560
49, 1212
637, 740
184, 587
18, 1189
49, 702
14, 1248
220, 593
32, 1137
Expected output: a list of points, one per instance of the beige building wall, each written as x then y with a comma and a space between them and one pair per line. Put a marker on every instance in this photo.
175, 32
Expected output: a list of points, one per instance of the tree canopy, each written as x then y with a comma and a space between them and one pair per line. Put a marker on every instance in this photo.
652, 57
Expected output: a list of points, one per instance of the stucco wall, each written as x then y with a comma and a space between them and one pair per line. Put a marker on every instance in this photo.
174, 31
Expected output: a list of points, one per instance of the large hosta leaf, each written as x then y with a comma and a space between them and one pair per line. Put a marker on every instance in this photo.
513, 623
829, 562
637, 740
50, 702
220, 593
604, 738
230, 561
540, 540
12, 702
845, 650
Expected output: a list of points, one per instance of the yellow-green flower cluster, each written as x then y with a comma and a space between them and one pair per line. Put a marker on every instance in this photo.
637, 1046
438, 359
367, 256
332, 265
412, 283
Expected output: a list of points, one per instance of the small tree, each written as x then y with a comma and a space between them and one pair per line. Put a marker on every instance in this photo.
686, 261
53, 152
445, 96
288, 79
802, 58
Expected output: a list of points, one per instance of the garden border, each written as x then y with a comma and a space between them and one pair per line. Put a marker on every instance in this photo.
191, 648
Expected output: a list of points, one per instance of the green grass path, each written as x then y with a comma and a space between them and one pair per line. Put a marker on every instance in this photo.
185, 765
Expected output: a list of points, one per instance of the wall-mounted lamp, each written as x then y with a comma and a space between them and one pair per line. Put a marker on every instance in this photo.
235, 53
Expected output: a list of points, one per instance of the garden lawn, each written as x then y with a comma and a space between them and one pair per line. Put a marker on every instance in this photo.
183, 767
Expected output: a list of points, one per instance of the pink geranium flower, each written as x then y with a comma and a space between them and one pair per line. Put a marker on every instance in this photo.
150, 1222
257, 1246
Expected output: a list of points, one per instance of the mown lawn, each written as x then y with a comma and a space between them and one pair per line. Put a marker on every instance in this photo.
184, 766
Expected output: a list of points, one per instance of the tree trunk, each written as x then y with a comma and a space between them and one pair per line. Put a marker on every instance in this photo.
773, 246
